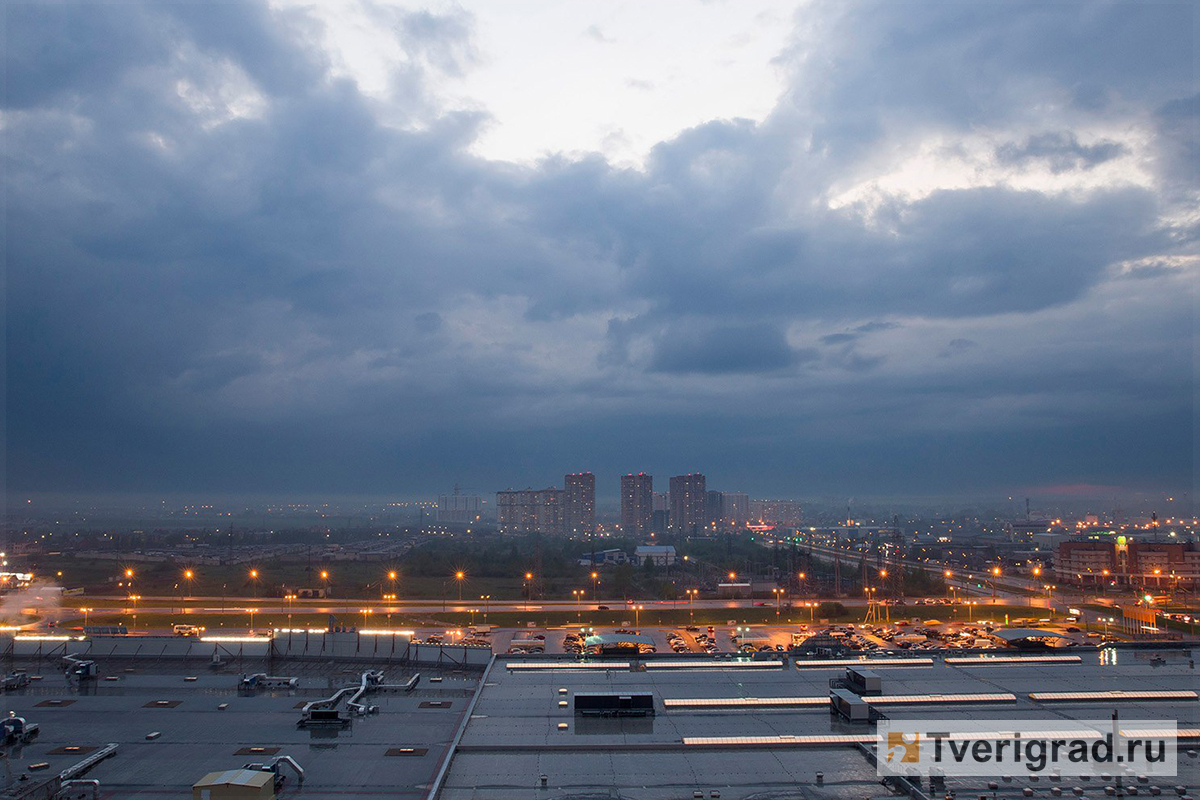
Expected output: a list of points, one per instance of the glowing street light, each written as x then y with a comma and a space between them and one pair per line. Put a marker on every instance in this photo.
595, 584
254, 579
637, 617
458, 576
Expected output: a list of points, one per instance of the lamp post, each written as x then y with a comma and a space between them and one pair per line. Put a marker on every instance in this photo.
486, 598
251, 610
800, 583
578, 610
187, 577
458, 576
85, 611
527, 586
691, 593
637, 617
392, 579
595, 586
254, 581
778, 597
995, 574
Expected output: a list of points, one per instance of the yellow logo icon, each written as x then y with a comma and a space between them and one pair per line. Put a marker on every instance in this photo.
903, 748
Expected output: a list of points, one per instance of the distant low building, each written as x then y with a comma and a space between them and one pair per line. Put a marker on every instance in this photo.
661, 555
1152, 566
605, 558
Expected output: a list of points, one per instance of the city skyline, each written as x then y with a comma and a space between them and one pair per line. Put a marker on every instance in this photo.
812, 249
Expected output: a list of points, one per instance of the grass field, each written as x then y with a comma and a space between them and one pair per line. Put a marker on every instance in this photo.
347, 580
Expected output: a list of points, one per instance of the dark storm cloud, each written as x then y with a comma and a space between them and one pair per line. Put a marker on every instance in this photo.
744, 349
227, 270
1061, 151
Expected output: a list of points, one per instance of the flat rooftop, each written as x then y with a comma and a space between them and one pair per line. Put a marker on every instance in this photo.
196, 737
514, 736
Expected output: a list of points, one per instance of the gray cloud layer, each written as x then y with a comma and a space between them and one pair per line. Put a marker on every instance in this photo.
230, 270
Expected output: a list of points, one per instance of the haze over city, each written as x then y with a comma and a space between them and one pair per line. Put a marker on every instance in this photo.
814, 250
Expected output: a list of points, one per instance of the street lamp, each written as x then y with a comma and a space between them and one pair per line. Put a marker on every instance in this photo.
778, 596
485, 598
595, 585
578, 610
254, 580
637, 617
85, 616
527, 587
187, 576
458, 576
691, 593
802, 576
392, 578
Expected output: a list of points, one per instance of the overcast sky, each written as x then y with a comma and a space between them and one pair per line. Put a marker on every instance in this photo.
831, 247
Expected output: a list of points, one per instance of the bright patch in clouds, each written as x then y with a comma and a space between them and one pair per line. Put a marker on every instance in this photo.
614, 78
1048, 163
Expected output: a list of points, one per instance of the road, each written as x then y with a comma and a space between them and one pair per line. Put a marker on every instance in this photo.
215, 605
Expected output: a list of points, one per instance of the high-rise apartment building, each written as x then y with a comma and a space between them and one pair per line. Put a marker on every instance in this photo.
579, 503
637, 503
727, 510
459, 507
688, 498
529, 510
784, 513
735, 509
